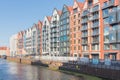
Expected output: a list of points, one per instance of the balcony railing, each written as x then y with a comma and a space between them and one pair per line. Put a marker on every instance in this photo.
84, 28
110, 4
95, 9
84, 42
84, 20
84, 35
95, 41
95, 25
95, 33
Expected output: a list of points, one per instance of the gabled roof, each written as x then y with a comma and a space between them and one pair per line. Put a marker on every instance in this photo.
59, 12
49, 18
70, 8
80, 4
3, 48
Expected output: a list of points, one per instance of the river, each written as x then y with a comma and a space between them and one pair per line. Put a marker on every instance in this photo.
16, 71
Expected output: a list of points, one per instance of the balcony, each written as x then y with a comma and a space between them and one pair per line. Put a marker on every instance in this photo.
84, 42
113, 36
110, 4
94, 17
94, 9
84, 35
84, 20
96, 41
113, 18
84, 28
95, 33
85, 13
118, 16
95, 25
105, 15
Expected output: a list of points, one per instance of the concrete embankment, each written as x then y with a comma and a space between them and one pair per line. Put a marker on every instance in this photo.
19, 60
84, 69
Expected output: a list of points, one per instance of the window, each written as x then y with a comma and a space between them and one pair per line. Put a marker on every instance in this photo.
106, 20
106, 30
74, 16
79, 41
105, 3
74, 48
74, 41
78, 47
114, 46
112, 36
105, 12
112, 18
78, 21
74, 35
75, 10
95, 47
106, 46
79, 15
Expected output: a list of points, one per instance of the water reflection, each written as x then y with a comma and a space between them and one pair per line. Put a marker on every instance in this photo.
14, 71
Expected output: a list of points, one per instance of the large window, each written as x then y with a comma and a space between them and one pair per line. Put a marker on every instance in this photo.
106, 46
113, 36
75, 10
112, 18
95, 47
105, 12
106, 30
106, 20
114, 46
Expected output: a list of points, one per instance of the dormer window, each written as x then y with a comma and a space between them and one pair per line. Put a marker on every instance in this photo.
75, 10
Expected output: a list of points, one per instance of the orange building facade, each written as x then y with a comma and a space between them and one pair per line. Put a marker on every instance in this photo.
4, 51
75, 33
92, 29
39, 40
20, 47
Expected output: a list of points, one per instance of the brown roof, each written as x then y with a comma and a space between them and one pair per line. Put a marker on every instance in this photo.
69, 8
59, 12
49, 18
80, 4
3, 48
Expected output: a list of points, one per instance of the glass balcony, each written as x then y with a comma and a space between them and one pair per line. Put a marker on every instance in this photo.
113, 17
109, 4
84, 20
95, 25
118, 35
85, 13
84, 42
95, 33
84, 35
113, 36
84, 28
95, 17
95, 41
94, 9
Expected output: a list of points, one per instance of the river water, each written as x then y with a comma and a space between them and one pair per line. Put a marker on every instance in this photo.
16, 71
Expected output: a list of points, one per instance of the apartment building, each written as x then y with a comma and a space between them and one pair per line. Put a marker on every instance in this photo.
4, 51
13, 45
54, 33
20, 47
111, 21
75, 26
46, 36
28, 41
39, 37
65, 31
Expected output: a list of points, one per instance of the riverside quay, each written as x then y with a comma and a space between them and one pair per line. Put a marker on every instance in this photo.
89, 29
